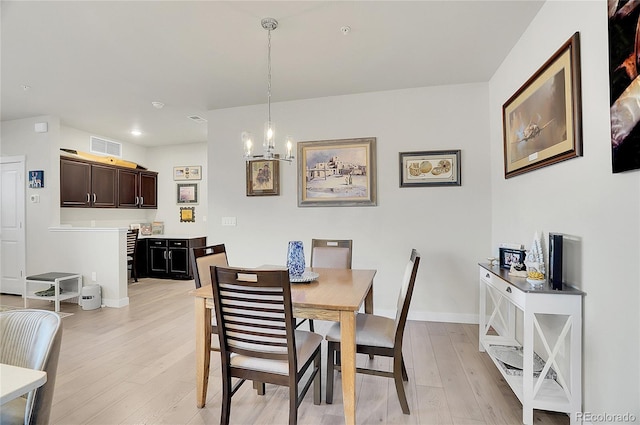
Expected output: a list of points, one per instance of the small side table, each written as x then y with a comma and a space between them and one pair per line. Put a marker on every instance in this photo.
58, 280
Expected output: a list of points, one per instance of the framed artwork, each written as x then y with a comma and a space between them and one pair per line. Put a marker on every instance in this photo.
192, 172
337, 173
263, 177
542, 121
187, 193
187, 214
624, 21
430, 168
510, 256
36, 179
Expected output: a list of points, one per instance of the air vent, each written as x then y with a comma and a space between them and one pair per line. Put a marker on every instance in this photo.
106, 147
197, 119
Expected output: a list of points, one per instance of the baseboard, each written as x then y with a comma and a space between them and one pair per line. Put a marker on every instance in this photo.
122, 302
426, 316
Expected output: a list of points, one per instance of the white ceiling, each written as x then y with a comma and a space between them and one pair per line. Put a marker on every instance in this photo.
98, 65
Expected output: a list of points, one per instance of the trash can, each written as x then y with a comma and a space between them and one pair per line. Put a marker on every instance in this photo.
91, 298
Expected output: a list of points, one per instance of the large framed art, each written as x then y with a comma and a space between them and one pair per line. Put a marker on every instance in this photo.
542, 121
337, 172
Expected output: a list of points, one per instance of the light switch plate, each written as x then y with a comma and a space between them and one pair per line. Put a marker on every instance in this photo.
228, 221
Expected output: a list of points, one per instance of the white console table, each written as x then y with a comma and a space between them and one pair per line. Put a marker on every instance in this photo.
552, 321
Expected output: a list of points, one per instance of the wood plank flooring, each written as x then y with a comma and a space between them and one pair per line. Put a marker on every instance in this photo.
134, 365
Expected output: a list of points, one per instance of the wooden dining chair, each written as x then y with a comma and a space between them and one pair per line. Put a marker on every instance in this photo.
380, 336
332, 254
132, 243
258, 340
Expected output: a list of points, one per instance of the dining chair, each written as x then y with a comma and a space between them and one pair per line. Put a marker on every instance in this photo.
329, 253
31, 339
258, 340
380, 336
132, 242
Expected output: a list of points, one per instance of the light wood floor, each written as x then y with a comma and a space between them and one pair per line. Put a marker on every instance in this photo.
134, 365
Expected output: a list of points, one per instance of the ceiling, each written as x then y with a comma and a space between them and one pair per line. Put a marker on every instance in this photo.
98, 65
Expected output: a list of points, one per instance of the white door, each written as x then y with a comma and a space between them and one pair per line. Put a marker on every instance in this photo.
12, 222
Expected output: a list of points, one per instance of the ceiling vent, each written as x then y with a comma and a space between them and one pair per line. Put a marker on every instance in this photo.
106, 147
197, 119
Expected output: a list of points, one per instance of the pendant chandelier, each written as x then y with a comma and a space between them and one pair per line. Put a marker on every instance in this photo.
268, 142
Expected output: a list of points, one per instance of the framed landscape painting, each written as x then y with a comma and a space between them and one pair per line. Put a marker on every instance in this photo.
542, 121
337, 172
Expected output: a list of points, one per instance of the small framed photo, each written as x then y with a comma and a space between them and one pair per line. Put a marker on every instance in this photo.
191, 172
187, 215
187, 193
36, 179
263, 178
430, 168
510, 256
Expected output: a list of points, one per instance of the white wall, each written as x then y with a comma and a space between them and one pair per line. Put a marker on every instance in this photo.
581, 198
450, 226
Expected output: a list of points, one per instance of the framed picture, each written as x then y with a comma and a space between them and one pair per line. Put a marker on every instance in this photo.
263, 177
187, 193
187, 214
192, 172
510, 256
430, 168
36, 179
337, 173
542, 121
624, 90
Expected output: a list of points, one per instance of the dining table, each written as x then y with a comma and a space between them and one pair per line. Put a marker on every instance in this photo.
15, 381
335, 295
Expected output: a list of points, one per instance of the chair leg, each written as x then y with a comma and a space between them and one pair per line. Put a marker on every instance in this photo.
226, 399
405, 377
293, 404
398, 367
311, 325
259, 387
134, 270
331, 352
317, 380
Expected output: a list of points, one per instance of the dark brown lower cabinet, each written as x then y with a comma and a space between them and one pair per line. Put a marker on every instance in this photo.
169, 258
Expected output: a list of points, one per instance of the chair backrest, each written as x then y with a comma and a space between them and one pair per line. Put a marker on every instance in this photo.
31, 338
132, 239
203, 258
331, 253
406, 291
254, 316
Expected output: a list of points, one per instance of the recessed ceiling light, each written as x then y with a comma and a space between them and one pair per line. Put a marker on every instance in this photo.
345, 29
136, 132
158, 105
25, 87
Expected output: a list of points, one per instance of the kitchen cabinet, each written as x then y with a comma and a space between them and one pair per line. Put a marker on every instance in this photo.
137, 189
85, 184
170, 258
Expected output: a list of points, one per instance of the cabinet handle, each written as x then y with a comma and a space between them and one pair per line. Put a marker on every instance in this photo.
94, 198
141, 200
170, 254
88, 198
136, 201
508, 289
165, 255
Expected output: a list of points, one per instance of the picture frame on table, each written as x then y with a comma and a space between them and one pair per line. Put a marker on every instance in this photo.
187, 193
430, 168
263, 177
337, 173
542, 121
510, 256
191, 172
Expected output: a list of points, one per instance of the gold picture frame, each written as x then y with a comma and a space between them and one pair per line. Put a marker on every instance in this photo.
542, 121
263, 177
187, 214
338, 173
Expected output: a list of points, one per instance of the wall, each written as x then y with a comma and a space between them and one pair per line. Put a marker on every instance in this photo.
450, 226
581, 198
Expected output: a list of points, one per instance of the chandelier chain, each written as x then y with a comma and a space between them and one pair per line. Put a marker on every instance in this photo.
269, 76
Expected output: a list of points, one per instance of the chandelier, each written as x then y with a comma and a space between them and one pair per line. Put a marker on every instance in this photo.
268, 141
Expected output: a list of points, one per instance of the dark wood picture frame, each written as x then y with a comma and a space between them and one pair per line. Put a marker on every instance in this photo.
187, 193
337, 173
510, 256
542, 121
263, 177
430, 168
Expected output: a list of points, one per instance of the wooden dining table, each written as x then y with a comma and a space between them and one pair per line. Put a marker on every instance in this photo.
336, 295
